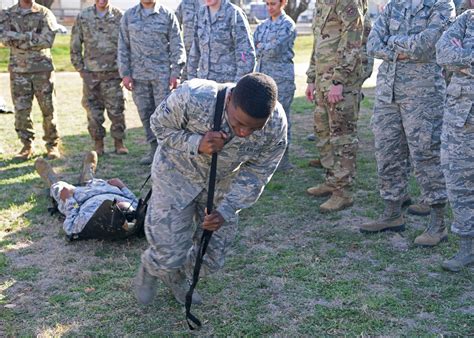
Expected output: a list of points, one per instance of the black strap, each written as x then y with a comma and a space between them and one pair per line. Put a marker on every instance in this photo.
193, 321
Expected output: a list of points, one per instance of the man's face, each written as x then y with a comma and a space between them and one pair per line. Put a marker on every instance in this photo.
101, 4
212, 2
472, 4
147, 2
242, 124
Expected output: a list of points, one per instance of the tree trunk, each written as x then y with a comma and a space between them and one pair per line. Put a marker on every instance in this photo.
294, 10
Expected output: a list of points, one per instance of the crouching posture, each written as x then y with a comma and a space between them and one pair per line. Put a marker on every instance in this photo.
455, 52
250, 144
80, 204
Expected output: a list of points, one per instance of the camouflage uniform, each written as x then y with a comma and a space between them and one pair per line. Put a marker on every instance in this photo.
98, 67
409, 97
366, 60
186, 14
30, 35
338, 28
150, 51
180, 174
79, 208
457, 140
275, 57
223, 48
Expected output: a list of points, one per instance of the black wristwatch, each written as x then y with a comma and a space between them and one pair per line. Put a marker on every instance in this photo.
336, 83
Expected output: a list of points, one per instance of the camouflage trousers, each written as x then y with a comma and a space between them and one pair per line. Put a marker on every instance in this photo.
147, 95
99, 95
25, 86
409, 130
457, 158
174, 236
286, 92
335, 126
55, 192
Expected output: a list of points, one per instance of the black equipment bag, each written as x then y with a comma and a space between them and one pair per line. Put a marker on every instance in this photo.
206, 236
108, 222
111, 223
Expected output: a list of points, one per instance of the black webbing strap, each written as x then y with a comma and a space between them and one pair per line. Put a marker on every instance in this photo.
193, 321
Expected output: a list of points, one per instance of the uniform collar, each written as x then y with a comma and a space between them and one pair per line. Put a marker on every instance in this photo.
421, 4
220, 12
107, 13
280, 18
156, 8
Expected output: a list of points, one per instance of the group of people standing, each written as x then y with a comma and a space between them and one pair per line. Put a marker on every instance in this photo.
145, 51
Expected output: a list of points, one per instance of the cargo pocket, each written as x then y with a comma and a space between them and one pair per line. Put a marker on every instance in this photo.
458, 105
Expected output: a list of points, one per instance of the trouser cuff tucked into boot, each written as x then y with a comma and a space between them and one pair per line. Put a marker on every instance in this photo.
390, 220
463, 258
176, 281
436, 231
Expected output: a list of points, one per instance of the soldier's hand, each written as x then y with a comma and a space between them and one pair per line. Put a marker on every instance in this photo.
116, 182
310, 92
335, 94
213, 221
66, 193
128, 82
212, 142
402, 57
174, 82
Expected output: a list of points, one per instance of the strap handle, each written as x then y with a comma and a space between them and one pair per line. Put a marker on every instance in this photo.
193, 321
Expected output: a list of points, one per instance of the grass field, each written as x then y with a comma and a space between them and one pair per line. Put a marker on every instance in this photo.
293, 271
60, 52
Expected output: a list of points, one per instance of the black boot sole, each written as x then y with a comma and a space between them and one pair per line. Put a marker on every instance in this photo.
398, 228
416, 213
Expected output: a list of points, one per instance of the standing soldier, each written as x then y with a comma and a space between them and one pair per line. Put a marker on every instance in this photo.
29, 31
455, 50
334, 84
222, 49
150, 59
408, 110
186, 14
96, 32
274, 41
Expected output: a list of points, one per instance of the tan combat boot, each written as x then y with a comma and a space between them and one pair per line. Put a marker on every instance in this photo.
120, 147
176, 281
99, 146
436, 231
46, 172
321, 190
89, 165
391, 219
419, 209
145, 286
463, 258
316, 163
25, 153
53, 153
339, 200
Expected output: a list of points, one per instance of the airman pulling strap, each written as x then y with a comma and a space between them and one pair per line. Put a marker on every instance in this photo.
193, 321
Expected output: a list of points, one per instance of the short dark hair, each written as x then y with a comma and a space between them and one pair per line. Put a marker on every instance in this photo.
256, 94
